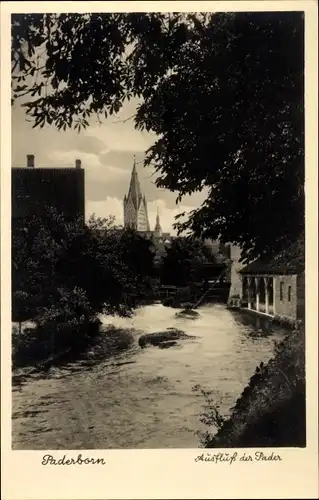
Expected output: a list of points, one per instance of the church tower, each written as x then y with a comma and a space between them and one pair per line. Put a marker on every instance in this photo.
158, 230
135, 206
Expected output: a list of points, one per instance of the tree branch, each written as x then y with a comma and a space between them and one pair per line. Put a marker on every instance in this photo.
126, 119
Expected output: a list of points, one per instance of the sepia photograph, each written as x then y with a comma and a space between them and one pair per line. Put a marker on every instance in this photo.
158, 231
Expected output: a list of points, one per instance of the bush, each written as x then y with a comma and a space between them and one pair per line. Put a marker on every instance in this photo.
171, 302
65, 273
47, 341
210, 415
184, 261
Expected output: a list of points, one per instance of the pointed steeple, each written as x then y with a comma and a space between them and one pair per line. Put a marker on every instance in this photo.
157, 218
135, 193
135, 205
158, 229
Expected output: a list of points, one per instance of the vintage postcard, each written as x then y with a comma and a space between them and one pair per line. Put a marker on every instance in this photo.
159, 295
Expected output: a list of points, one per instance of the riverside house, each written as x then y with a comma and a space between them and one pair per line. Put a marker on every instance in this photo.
276, 286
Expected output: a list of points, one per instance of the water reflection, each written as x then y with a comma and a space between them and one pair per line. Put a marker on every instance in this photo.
143, 398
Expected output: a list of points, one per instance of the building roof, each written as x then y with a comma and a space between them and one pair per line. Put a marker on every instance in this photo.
158, 228
291, 260
135, 193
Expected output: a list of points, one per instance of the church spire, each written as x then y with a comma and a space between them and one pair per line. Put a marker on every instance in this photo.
135, 205
157, 218
158, 229
135, 193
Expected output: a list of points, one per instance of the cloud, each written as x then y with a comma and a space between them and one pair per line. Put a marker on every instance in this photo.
119, 134
44, 142
113, 134
94, 169
110, 206
167, 215
106, 152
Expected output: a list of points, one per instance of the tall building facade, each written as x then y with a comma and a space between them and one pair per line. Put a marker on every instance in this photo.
35, 188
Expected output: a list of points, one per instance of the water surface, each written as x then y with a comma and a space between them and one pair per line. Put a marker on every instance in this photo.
144, 398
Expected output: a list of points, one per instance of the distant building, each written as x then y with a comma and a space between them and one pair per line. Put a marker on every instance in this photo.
136, 214
158, 229
213, 246
276, 286
35, 188
135, 205
136, 217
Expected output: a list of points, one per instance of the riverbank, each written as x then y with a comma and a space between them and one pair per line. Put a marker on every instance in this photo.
101, 343
234, 303
271, 409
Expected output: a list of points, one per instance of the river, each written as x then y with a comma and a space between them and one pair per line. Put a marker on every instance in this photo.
144, 398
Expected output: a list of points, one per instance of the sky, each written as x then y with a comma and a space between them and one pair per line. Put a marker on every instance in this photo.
106, 151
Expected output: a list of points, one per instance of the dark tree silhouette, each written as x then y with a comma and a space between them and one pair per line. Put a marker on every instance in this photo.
183, 262
138, 255
223, 92
64, 266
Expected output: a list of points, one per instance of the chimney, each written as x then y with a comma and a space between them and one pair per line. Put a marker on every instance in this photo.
77, 163
30, 161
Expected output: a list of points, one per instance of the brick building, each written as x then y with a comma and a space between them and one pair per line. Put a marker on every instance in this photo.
35, 188
276, 286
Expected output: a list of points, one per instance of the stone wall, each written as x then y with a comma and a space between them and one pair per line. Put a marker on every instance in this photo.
284, 308
301, 291
235, 277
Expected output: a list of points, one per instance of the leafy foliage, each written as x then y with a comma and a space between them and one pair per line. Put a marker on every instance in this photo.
138, 255
291, 260
223, 92
210, 415
69, 270
183, 261
21, 307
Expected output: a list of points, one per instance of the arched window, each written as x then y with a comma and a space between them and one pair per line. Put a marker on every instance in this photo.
281, 290
289, 293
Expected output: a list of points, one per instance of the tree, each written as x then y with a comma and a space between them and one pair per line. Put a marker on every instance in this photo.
68, 269
65, 273
223, 92
183, 261
21, 307
138, 255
